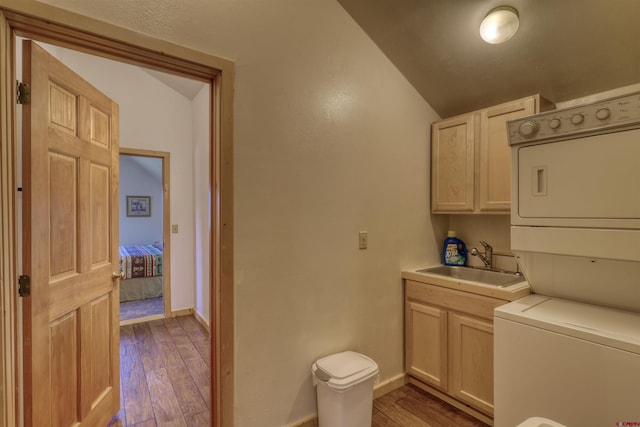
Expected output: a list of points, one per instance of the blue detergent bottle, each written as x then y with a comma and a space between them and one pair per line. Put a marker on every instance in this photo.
454, 251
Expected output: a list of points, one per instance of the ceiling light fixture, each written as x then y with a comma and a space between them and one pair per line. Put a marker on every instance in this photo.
499, 25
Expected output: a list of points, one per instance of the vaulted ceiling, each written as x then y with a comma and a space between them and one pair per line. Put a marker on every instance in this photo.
564, 49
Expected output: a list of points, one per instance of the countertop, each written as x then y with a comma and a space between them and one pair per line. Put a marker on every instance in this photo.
508, 293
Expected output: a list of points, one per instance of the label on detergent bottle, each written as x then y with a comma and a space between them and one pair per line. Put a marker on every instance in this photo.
454, 251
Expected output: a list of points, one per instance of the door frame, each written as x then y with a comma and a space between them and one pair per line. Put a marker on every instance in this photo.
166, 219
42, 22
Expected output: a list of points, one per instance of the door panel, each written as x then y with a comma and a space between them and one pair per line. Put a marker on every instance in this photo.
70, 187
99, 218
64, 368
98, 346
63, 173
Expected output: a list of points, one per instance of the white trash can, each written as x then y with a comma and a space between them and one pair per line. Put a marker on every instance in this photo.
539, 422
345, 389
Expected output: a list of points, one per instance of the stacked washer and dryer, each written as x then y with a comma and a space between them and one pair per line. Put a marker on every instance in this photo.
570, 352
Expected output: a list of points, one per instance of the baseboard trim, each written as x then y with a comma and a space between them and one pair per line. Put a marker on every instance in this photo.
378, 390
183, 312
177, 313
202, 320
389, 385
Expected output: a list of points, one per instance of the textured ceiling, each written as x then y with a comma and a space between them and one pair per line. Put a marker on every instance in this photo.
564, 49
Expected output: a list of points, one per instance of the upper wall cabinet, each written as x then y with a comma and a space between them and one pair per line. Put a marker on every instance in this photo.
471, 159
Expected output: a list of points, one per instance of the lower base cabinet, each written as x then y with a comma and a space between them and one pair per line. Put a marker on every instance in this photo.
471, 360
426, 341
449, 345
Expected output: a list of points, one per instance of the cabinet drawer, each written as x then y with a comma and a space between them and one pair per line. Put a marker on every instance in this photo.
451, 299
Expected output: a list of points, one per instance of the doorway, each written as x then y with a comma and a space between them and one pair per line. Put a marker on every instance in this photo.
139, 204
46, 23
145, 246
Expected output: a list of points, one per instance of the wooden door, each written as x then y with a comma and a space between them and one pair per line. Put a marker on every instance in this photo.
471, 355
452, 165
70, 184
495, 153
426, 340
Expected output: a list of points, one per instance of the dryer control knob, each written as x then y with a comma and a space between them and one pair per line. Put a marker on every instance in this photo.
528, 128
554, 123
603, 114
576, 119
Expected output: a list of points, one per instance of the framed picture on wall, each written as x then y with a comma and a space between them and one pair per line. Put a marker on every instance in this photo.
138, 205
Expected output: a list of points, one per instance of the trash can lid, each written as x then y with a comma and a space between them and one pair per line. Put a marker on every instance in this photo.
540, 422
343, 370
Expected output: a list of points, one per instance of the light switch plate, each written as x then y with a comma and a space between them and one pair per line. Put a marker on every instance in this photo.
363, 238
174, 228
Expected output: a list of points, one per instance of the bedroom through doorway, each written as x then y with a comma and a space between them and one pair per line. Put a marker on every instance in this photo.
144, 289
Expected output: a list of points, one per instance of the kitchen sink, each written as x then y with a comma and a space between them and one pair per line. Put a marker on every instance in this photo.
496, 278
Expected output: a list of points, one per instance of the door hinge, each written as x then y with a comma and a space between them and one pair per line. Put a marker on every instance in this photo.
24, 286
23, 93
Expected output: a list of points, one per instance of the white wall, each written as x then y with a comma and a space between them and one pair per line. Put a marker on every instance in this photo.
154, 117
136, 181
330, 139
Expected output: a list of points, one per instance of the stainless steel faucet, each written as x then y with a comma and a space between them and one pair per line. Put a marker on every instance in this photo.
487, 258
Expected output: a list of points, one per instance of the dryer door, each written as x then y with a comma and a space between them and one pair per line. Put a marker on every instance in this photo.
585, 182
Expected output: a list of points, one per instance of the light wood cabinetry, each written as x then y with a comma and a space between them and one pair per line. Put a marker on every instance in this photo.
471, 346
427, 344
449, 345
471, 159
453, 144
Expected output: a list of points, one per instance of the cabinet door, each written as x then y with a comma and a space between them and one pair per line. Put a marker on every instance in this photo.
452, 164
495, 154
426, 343
471, 359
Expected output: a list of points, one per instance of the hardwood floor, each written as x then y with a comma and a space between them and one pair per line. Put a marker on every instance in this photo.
141, 308
409, 406
164, 374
